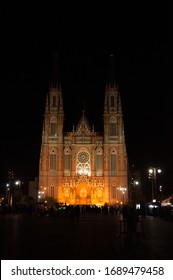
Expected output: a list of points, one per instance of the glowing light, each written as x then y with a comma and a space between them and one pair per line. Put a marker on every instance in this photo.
17, 183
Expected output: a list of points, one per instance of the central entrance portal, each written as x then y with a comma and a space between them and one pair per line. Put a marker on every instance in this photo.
83, 194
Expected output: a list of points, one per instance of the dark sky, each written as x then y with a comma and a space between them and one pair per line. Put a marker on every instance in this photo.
140, 36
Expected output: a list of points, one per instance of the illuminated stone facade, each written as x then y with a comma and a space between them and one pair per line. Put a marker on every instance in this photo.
84, 166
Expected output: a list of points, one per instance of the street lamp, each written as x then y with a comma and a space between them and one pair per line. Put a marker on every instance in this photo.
152, 175
161, 192
8, 194
41, 196
123, 190
134, 185
18, 191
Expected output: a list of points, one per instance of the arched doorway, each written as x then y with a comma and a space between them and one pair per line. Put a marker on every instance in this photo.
83, 194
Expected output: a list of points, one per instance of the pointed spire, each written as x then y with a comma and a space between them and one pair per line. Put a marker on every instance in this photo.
56, 77
83, 115
47, 104
83, 125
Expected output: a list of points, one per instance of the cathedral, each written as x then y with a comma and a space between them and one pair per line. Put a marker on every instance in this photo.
84, 166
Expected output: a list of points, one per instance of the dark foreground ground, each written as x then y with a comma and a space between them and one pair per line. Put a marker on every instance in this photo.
94, 237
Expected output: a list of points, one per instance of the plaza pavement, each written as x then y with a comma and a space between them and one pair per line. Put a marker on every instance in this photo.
95, 237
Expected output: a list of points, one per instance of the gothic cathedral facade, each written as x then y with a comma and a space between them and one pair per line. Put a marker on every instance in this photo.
84, 166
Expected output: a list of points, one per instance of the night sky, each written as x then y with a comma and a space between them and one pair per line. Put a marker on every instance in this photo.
139, 35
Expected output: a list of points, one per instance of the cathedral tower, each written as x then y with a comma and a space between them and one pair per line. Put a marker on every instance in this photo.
84, 166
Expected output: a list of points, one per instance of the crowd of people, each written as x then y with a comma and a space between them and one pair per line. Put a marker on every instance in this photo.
125, 212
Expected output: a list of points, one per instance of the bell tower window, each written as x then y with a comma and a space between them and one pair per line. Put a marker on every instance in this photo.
113, 127
53, 126
53, 101
113, 164
112, 101
53, 129
52, 161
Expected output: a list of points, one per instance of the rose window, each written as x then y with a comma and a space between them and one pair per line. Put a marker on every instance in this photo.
83, 157
83, 165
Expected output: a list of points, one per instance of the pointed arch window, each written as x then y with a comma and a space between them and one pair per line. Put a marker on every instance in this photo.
53, 127
113, 127
54, 101
67, 161
52, 188
114, 192
53, 161
112, 101
99, 163
83, 164
113, 164
67, 165
83, 169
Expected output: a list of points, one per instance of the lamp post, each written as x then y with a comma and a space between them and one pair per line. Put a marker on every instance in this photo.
41, 196
135, 184
152, 175
123, 190
18, 191
161, 192
8, 194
